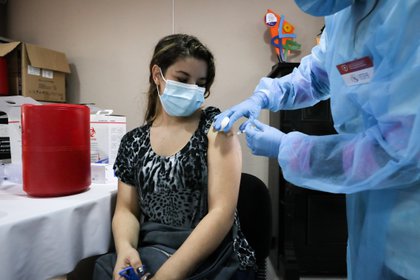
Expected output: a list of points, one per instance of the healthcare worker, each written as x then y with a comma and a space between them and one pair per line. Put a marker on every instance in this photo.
368, 65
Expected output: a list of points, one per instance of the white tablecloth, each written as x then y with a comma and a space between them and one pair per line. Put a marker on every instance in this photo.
41, 238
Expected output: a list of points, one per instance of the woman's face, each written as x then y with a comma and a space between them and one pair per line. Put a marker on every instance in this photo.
189, 70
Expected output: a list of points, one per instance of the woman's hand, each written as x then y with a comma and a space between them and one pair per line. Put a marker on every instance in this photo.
126, 257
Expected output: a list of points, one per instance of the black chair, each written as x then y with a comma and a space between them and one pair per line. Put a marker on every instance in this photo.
254, 210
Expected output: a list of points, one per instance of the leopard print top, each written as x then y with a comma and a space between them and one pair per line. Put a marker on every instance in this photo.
173, 189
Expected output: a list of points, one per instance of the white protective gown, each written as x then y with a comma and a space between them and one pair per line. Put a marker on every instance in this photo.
375, 157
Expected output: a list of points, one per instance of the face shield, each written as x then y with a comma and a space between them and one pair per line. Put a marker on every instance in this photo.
323, 7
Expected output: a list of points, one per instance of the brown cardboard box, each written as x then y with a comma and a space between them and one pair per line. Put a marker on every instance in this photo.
35, 71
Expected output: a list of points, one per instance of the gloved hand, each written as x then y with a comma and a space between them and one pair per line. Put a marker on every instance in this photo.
250, 108
262, 139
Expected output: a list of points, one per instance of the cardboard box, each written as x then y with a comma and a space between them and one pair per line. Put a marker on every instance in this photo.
11, 129
102, 173
106, 132
35, 71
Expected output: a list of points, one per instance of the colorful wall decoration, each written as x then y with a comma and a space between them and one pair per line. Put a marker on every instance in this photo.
282, 35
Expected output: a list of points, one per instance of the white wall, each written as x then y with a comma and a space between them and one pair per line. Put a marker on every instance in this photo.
109, 45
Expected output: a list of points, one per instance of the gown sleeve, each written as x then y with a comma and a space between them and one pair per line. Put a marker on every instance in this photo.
383, 153
305, 86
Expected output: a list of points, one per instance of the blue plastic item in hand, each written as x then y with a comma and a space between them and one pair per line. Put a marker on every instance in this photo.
129, 273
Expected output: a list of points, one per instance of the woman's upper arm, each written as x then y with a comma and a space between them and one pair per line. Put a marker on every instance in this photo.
127, 198
224, 170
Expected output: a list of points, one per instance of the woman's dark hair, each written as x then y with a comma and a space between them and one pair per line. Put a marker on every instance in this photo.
168, 51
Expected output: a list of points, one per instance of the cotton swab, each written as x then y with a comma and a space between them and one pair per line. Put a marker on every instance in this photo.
224, 123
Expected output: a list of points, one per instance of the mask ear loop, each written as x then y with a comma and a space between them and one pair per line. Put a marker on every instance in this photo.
161, 74
157, 86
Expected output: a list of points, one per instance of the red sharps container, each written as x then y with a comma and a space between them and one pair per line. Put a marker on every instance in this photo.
55, 149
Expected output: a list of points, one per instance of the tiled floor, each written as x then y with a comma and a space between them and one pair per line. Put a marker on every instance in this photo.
272, 276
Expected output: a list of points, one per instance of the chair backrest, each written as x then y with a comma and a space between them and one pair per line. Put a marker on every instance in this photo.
254, 210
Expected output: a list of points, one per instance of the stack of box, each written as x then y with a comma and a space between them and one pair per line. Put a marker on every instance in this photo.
35, 71
106, 131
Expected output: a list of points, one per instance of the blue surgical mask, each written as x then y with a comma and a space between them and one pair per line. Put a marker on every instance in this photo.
323, 7
180, 99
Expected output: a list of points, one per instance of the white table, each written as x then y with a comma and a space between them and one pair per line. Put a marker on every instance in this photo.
41, 238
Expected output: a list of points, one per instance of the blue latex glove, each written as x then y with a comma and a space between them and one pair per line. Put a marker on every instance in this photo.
262, 139
250, 108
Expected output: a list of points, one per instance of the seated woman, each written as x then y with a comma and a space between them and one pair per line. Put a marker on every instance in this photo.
176, 172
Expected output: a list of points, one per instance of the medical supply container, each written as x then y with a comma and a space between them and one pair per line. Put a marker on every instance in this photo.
55, 149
